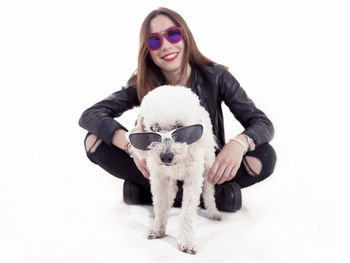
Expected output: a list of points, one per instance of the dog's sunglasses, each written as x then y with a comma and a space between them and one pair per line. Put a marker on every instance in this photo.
188, 134
172, 34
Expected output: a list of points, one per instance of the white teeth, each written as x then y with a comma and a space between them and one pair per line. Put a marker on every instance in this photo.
170, 56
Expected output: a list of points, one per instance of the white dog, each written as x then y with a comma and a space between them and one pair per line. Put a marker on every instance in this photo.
185, 154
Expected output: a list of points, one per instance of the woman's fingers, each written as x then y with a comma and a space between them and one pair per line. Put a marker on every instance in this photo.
232, 174
213, 170
144, 168
220, 172
145, 173
225, 177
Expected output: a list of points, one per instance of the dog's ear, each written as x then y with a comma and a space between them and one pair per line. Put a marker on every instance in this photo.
139, 126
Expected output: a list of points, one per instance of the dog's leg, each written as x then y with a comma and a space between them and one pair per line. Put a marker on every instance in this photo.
190, 200
209, 200
172, 192
160, 189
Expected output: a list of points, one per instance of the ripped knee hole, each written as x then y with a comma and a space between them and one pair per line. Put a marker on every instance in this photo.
253, 165
91, 143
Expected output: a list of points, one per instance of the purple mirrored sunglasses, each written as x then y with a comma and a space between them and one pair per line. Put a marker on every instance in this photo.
172, 34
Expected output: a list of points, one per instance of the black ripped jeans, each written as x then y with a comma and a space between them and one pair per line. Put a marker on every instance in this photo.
118, 163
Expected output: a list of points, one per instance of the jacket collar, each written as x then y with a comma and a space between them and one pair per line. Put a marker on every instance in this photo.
196, 86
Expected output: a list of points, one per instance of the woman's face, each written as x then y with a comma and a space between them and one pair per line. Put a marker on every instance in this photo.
169, 56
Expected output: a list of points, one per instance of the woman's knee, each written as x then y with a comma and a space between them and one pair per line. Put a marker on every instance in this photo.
267, 155
91, 143
252, 165
270, 159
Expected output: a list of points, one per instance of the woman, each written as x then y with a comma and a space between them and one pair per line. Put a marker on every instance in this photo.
168, 55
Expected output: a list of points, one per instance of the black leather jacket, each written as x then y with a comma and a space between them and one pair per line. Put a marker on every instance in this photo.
213, 84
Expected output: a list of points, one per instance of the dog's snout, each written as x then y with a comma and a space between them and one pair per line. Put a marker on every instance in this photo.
167, 157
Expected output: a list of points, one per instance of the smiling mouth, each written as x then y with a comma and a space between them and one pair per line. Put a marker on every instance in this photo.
171, 56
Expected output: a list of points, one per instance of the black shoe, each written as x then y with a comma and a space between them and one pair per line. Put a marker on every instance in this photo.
228, 197
135, 194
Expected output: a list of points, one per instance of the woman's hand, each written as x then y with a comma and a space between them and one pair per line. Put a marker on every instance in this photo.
142, 166
120, 141
226, 163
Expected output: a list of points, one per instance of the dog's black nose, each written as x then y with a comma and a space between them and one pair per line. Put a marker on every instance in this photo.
167, 157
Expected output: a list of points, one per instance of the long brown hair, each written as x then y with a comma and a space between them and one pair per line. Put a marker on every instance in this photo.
148, 75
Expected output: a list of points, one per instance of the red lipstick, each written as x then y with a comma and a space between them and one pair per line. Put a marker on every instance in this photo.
171, 58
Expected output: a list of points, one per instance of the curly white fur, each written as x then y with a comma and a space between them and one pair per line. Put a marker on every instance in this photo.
164, 109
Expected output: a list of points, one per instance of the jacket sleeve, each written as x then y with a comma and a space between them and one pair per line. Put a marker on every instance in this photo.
99, 119
257, 125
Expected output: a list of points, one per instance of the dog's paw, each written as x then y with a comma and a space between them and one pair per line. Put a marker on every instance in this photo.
188, 249
215, 217
156, 234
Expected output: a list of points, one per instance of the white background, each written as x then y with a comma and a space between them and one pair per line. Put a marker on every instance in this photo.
57, 58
